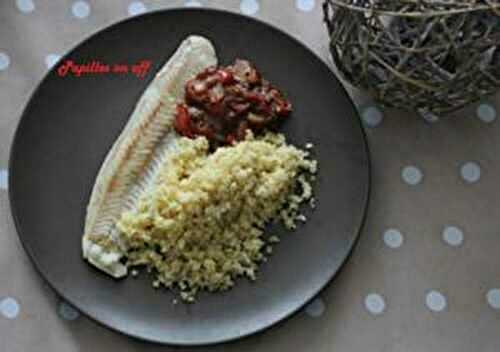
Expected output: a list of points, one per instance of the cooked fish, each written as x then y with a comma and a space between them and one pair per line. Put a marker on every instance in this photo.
132, 164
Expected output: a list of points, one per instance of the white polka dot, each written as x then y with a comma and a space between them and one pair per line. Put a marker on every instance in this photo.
453, 236
25, 6
375, 303
51, 60
372, 116
412, 175
316, 308
486, 113
80, 9
393, 238
193, 3
4, 61
305, 5
9, 308
435, 301
67, 311
4, 179
136, 8
493, 298
471, 172
249, 7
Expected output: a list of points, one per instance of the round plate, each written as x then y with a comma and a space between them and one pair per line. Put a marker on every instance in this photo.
71, 122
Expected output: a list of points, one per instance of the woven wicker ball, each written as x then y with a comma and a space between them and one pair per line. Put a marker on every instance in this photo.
430, 56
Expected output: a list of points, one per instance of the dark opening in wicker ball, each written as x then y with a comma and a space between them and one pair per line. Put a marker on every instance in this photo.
431, 56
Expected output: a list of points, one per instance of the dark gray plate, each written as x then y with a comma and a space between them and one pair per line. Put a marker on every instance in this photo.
70, 123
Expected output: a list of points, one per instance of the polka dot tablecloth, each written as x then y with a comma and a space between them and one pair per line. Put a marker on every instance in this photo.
425, 275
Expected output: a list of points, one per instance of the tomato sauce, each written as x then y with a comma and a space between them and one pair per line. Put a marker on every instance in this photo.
222, 103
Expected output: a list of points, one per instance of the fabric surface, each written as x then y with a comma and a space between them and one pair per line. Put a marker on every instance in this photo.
425, 275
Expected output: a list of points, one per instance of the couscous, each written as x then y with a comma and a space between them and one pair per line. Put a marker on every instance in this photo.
202, 224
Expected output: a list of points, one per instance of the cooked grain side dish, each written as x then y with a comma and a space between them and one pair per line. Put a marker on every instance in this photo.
202, 225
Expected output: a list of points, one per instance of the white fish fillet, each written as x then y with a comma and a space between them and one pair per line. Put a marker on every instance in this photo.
134, 159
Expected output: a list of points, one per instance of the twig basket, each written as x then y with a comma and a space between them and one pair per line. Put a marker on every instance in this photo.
431, 56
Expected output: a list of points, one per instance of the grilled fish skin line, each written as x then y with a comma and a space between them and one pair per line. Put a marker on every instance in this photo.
133, 161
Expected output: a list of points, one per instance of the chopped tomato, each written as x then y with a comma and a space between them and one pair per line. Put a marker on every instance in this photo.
182, 122
230, 139
222, 103
226, 77
283, 109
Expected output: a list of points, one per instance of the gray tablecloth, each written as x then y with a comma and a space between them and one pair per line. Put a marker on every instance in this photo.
425, 275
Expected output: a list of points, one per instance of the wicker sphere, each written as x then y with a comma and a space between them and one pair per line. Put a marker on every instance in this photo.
430, 56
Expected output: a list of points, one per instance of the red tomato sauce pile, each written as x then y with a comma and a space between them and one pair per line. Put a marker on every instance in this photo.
223, 102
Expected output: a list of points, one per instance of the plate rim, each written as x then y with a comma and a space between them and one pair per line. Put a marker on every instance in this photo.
362, 221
